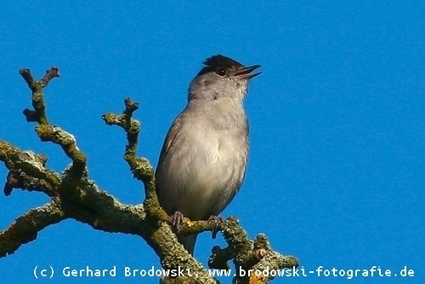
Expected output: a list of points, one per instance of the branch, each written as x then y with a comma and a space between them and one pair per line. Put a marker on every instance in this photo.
48, 132
38, 113
140, 167
27, 171
27, 226
73, 195
245, 253
161, 234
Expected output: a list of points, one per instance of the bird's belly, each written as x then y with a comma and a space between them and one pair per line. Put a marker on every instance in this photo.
206, 181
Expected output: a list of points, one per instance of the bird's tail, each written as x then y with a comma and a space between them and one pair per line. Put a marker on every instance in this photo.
188, 242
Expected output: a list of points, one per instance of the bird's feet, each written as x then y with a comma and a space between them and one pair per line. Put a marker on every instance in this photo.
217, 220
176, 219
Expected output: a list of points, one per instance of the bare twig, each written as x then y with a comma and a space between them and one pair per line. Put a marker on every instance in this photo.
73, 195
44, 129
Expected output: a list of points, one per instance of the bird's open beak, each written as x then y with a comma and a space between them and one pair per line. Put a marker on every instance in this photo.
245, 72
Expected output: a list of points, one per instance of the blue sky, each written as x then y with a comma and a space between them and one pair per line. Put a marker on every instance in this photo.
336, 167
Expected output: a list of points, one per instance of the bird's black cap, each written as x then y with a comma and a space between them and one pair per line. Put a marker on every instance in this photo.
218, 61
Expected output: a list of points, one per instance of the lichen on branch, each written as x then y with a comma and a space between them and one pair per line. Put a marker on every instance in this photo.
73, 195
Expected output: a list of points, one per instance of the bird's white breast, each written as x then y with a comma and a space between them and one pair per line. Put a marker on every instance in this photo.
201, 177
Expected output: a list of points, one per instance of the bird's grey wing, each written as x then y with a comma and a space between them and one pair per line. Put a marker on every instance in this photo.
171, 136
164, 179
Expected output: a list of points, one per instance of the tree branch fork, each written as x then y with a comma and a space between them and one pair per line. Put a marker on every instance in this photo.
73, 195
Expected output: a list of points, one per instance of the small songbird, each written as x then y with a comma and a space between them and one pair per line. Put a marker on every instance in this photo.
204, 156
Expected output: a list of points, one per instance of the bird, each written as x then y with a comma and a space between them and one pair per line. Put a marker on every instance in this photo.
203, 160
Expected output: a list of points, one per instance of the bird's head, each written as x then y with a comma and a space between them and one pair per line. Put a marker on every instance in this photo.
221, 77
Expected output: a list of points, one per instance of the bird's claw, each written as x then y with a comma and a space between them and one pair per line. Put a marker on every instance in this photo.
177, 219
217, 220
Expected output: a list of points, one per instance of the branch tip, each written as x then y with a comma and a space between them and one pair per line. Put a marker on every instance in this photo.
33, 84
26, 74
130, 106
12, 181
30, 115
50, 74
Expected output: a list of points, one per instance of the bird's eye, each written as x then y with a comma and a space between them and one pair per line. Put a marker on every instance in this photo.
220, 71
